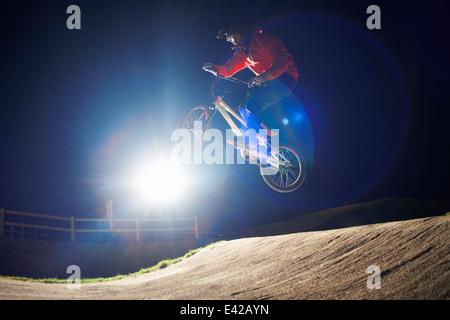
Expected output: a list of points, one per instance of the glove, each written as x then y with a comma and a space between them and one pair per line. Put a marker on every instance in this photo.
256, 82
210, 67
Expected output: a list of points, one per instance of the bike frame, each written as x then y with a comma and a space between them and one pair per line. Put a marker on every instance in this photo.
289, 171
225, 110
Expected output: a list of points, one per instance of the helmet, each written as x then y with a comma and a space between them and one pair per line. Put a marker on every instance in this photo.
240, 28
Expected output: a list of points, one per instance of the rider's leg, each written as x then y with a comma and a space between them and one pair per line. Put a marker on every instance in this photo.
260, 98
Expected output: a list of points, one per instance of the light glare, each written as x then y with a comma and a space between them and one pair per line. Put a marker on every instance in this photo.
160, 182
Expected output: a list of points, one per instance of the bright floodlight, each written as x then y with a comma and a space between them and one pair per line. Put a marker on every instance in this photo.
159, 182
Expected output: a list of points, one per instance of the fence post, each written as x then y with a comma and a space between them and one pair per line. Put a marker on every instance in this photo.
2, 220
138, 235
196, 227
72, 228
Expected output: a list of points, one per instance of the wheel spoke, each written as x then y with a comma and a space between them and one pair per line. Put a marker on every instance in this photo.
289, 171
196, 114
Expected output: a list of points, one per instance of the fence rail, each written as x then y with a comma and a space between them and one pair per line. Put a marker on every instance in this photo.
138, 225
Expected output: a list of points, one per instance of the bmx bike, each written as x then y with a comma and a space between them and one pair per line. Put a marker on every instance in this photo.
288, 170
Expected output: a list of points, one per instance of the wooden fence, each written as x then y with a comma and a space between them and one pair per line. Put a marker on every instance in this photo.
71, 225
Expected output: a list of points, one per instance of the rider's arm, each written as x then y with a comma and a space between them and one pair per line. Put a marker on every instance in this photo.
235, 64
280, 55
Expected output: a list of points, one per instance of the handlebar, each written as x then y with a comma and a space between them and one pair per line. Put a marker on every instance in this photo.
219, 77
235, 80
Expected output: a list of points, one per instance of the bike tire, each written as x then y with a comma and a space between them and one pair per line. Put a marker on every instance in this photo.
288, 178
198, 113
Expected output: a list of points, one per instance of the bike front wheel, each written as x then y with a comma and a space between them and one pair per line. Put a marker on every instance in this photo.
291, 171
195, 120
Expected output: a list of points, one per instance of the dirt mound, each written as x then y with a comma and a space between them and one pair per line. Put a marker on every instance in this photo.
412, 256
376, 211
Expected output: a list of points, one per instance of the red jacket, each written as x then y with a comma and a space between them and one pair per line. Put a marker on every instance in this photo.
266, 56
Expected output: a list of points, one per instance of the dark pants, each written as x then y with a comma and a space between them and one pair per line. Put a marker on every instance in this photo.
260, 98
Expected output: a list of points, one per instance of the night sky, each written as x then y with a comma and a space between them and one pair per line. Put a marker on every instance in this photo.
79, 107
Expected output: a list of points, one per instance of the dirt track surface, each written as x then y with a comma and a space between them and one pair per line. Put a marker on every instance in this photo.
413, 257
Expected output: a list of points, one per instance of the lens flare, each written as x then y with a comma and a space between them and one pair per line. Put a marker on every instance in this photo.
159, 182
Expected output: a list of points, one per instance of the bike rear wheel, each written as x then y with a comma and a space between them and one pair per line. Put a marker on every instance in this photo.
291, 171
200, 115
